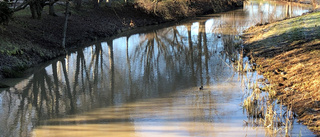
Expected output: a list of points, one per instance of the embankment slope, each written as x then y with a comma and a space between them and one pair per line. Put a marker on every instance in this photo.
287, 53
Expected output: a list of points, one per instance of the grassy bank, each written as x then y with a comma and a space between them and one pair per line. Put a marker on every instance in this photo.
287, 53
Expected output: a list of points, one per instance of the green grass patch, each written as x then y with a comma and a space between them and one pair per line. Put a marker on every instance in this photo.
8, 48
291, 30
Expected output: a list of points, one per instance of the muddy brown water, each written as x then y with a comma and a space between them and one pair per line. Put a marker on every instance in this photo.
146, 84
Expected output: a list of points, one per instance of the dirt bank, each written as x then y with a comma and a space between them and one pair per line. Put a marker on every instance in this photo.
26, 42
287, 53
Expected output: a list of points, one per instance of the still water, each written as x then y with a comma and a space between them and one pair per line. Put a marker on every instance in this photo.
146, 84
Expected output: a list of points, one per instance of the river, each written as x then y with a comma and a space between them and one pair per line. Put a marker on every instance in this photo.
146, 84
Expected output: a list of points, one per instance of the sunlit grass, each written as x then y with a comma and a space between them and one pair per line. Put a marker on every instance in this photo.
289, 31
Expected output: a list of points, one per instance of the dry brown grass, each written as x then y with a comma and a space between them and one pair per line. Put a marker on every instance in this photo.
173, 9
168, 9
288, 54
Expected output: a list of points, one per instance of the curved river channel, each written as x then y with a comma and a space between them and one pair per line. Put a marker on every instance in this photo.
147, 84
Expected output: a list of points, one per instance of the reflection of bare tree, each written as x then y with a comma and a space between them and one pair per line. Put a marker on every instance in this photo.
289, 10
111, 68
163, 61
129, 67
68, 87
206, 53
156, 45
66, 92
52, 95
200, 33
191, 50
56, 88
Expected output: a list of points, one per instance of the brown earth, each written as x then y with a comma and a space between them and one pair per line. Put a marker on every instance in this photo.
287, 53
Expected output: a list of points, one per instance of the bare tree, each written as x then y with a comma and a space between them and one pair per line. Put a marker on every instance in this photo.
51, 7
109, 2
65, 25
36, 7
78, 4
95, 3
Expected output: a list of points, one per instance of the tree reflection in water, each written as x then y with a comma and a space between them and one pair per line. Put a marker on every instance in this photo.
151, 65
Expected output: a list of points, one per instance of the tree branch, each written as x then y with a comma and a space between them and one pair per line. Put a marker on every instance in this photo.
22, 6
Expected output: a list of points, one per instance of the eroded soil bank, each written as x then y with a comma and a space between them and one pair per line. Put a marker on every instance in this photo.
287, 53
26, 42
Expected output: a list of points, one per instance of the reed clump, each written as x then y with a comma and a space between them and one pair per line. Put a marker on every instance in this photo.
253, 104
264, 109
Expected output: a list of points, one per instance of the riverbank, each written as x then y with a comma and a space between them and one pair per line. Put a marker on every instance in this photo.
287, 53
26, 42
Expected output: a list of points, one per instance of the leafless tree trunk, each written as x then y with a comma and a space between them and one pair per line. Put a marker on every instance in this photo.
95, 3
111, 68
78, 4
33, 10
36, 7
51, 8
100, 2
156, 6
65, 25
109, 2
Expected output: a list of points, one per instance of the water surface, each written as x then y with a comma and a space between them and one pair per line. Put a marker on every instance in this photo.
146, 84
